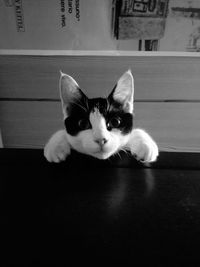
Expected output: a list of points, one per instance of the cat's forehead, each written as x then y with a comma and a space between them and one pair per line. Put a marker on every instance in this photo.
98, 105
86, 106
105, 105
96, 118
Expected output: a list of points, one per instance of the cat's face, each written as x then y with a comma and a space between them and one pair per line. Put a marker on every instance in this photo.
99, 127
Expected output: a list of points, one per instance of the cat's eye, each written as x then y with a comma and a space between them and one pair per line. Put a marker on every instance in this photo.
84, 124
114, 122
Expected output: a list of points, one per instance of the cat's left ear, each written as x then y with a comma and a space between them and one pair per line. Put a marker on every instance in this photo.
124, 91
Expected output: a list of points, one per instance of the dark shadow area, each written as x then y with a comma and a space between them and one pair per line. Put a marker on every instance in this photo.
90, 211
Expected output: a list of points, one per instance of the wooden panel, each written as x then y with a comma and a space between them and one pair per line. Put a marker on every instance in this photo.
159, 78
28, 124
175, 126
1, 142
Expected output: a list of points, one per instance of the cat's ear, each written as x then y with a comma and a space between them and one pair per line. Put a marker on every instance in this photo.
70, 92
124, 91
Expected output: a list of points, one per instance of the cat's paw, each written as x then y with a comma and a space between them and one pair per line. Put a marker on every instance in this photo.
143, 147
57, 148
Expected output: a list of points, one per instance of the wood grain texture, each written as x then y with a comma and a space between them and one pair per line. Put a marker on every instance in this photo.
28, 124
175, 126
156, 78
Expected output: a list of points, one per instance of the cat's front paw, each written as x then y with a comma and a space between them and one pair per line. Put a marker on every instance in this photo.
57, 148
143, 147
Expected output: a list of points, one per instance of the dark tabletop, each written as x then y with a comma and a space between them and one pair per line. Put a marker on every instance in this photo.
92, 211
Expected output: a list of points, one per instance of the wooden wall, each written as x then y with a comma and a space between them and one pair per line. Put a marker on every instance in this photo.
167, 95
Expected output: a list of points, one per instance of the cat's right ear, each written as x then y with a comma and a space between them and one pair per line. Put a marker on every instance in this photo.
70, 92
123, 92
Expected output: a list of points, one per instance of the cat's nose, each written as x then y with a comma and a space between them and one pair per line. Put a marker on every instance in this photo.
101, 141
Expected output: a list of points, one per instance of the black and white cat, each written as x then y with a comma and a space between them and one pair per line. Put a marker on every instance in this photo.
99, 127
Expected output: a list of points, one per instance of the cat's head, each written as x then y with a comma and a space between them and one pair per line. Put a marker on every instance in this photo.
99, 127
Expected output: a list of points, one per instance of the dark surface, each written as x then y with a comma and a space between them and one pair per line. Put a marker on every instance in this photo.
115, 211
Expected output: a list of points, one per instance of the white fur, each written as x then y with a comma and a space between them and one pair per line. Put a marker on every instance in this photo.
142, 146
139, 143
85, 141
57, 148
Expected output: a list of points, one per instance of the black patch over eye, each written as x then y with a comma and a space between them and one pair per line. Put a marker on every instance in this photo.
114, 122
84, 124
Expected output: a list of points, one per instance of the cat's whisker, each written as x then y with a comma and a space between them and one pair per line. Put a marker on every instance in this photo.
125, 151
118, 154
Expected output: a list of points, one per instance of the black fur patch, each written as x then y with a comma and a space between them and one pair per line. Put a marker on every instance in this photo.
109, 109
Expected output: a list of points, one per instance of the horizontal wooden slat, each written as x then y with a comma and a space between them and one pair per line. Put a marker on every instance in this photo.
175, 126
156, 78
28, 124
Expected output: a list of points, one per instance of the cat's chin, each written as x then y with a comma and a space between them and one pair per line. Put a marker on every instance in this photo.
101, 155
